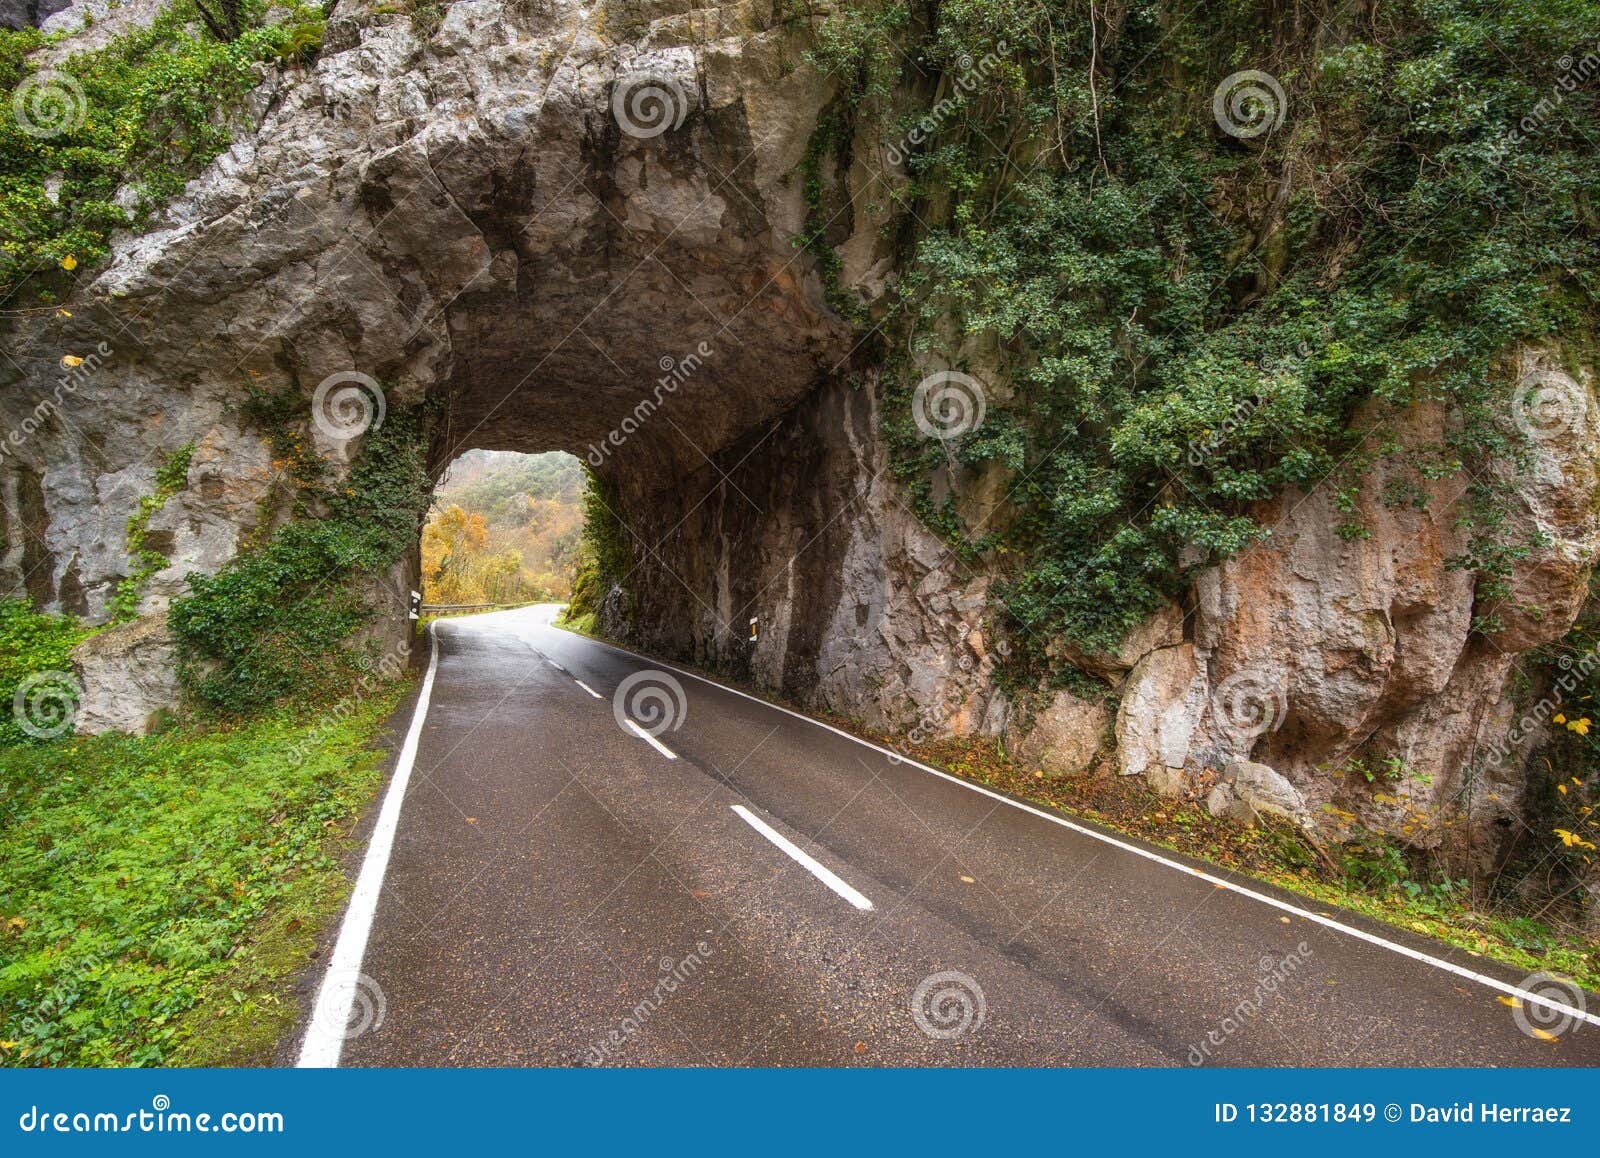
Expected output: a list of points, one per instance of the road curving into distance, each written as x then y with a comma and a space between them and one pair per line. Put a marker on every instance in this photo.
591, 858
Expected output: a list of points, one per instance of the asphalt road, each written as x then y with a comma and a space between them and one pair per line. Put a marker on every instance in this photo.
562, 891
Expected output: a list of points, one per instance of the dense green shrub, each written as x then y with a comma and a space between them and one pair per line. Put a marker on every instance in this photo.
1155, 285
605, 559
31, 643
1562, 696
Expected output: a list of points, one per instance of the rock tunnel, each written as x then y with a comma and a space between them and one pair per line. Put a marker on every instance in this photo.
625, 239
556, 241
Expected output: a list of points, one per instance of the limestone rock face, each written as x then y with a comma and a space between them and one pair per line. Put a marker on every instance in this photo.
1163, 704
128, 674
1065, 736
569, 238
1323, 656
1246, 790
17, 14
858, 607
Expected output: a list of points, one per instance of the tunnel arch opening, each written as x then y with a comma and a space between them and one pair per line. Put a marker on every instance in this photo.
505, 529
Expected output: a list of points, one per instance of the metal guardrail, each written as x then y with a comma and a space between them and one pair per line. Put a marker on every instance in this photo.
429, 608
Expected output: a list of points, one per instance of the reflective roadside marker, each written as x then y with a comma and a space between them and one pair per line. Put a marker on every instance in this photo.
752, 629
416, 605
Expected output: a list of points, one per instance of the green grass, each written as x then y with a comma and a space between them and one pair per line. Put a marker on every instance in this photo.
581, 622
158, 894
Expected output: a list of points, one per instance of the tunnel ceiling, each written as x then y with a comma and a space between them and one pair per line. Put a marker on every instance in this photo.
635, 339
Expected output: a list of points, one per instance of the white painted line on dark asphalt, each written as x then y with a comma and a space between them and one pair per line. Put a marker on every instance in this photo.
1105, 838
557, 666
648, 738
813, 866
325, 1035
587, 688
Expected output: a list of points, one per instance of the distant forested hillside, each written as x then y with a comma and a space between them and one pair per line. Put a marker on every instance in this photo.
504, 529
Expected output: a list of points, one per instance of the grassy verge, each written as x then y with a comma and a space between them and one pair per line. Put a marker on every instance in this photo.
158, 894
1368, 879
582, 623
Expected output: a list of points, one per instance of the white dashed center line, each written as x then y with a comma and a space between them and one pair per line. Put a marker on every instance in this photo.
651, 740
588, 689
807, 862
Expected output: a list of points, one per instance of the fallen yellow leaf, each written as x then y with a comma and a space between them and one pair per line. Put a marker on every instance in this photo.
69, 262
1542, 1035
71, 360
1513, 1002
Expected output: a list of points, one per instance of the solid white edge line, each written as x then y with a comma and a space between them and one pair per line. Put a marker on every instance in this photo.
324, 1040
648, 738
813, 866
588, 689
1147, 854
